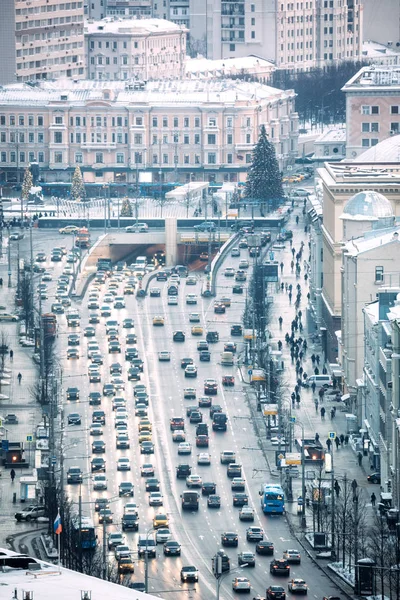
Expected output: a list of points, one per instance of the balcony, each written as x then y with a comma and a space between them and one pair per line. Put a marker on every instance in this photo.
99, 145
229, 26
233, 13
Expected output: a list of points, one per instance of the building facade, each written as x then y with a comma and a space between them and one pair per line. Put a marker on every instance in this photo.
339, 182
394, 451
142, 49
372, 108
8, 67
49, 39
203, 130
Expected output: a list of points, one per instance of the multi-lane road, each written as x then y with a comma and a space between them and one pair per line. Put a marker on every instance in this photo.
199, 533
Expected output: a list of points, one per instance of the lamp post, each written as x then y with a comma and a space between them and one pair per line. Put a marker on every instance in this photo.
223, 575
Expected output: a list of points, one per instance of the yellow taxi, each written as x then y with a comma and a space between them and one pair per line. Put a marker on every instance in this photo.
225, 301
197, 330
158, 321
160, 521
145, 436
144, 425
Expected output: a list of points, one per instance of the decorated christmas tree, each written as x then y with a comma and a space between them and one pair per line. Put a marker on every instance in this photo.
126, 208
264, 180
78, 192
27, 184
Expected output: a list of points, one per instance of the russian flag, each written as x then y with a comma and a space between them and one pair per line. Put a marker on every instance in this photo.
57, 524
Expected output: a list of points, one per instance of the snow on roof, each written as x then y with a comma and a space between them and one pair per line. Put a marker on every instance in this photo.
371, 242
374, 78
131, 27
387, 150
338, 134
47, 582
372, 49
201, 65
190, 91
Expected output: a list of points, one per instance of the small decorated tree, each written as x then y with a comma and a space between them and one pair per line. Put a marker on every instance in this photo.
78, 192
27, 184
126, 208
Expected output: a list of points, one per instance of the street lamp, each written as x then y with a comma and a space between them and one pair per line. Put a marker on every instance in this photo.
222, 577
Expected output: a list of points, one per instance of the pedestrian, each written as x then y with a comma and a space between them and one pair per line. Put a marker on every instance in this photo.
337, 442
12, 475
280, 322
337, 488
341, 435
297, 220
301, 354
316, 371
298, 398
293, 252
328, 444
346, 439
301, 326
332, 413
316, 405
305, 276
317, 358
324, 371
290, 297
359, 458
317, 437
313, 386
281, 265
279, 345
313, 358
282, 286
19, 377
291, 266
305, 345
11, 355
373, 499
322, 413
286, 287
1, 282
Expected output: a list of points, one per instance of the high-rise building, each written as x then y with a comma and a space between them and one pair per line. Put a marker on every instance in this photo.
7, 42
49, 40
124, 9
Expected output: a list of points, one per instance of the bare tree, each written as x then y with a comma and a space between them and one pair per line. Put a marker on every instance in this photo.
187, 202
26, 295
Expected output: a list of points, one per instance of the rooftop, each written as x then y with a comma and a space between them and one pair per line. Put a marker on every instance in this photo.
386, 151
368, 205
349, 172
222, 92
20, 574
131, 27
227, 66
376, 78
338, 134
371, 242
375, 50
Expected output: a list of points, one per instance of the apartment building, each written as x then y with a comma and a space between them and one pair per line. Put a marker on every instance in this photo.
194, 129
49, 39
8, 65
372, 107
135, 49
125, 9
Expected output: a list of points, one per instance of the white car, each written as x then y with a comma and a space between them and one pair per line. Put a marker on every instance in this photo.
184, 448
244, 264
172, 300
155, 499
203, 458
163, 535
191, 299
123, 464
164, 356
99, 482
194, 318
241, 584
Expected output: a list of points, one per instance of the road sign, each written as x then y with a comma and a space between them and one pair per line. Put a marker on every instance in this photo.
29, 438
332, 435
293, 458
250, 372
271, 255
4, 445
53, 460
293, 419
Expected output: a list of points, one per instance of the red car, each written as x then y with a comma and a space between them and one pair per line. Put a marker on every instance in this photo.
228, 380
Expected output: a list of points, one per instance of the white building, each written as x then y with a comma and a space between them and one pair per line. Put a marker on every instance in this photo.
204, 130
145, 49
331, 145
376, 388
251, 66
394, 454
380, 54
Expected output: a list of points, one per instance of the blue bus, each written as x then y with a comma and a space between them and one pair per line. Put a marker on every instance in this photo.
87, 536
272, 499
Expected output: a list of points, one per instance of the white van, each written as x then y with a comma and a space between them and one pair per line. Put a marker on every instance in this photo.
227, 359
319, 380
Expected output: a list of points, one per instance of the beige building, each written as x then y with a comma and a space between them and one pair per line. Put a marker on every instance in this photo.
49, 39
340, 181
372, 108
135, 49
174, 129
125, 9
8, 65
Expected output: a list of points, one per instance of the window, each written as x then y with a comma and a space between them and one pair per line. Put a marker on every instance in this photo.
40, 157
229, 159
58, 137
31, 157
155, 122
2, 120
232, 47
197, 138
374, 110
394, 127
229, 121
58, 120
229, 138
165, 159
79, 158
40, 138
138, 139
378, 274
212, 122
138, 158
375, 127
394, 110
58, 157
13, 157
211, 139
139, 121
120, 158
248, 158
186, 139
155, 159
3, 137
196, 159
40, 121
253, 35
365, 127
165, 122
30, 121
197, 122
248, 122
21, 120
186, 159
186, 122
12, 120
22, 137
211, 158
248, 138
176, 122
4, 157
99, 158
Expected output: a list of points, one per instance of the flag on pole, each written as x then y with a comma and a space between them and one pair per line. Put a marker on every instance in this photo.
57, 524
